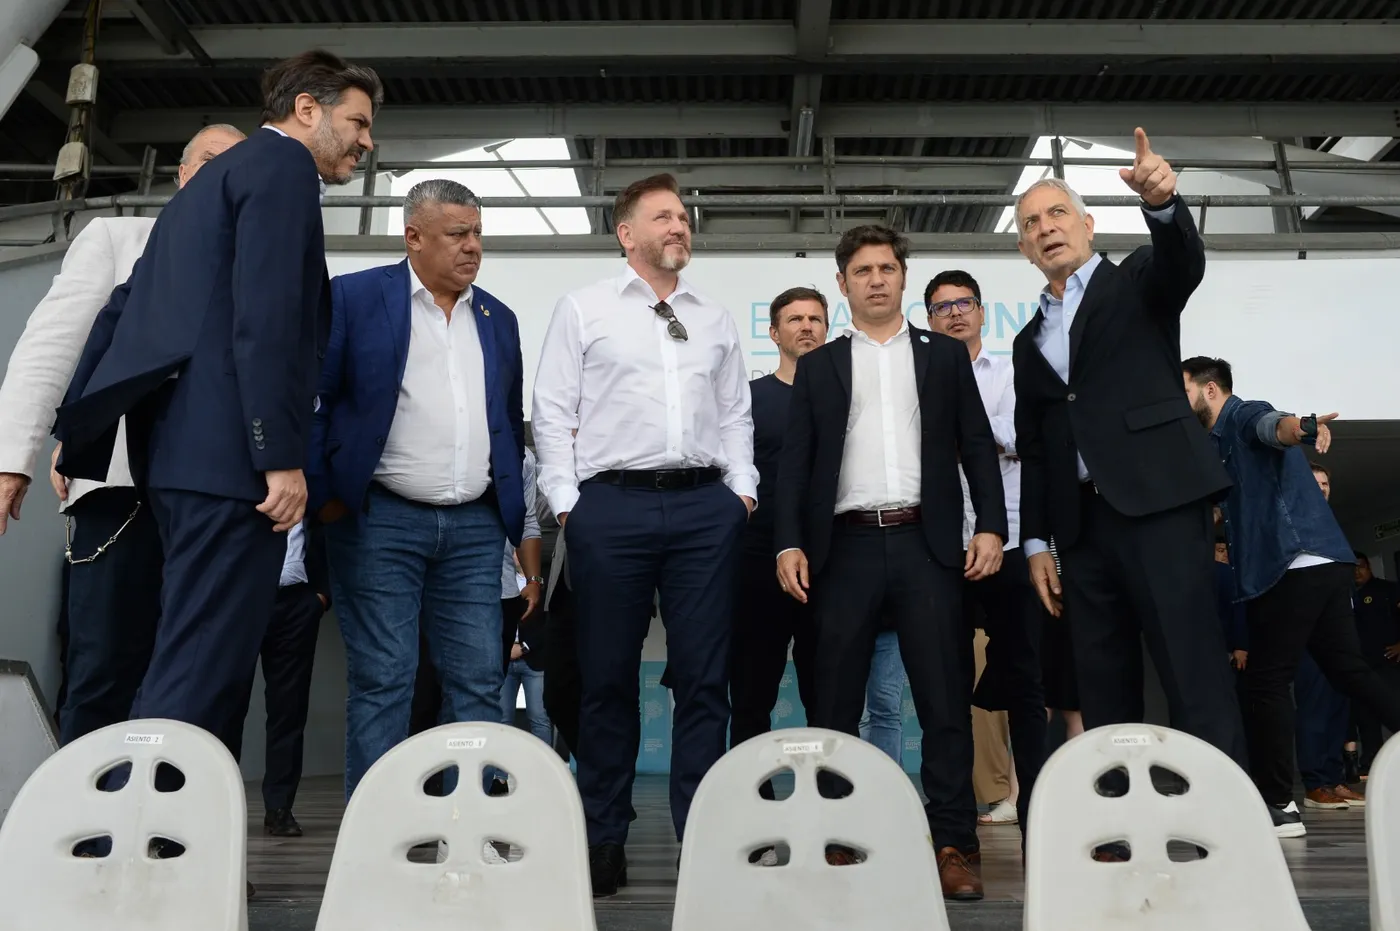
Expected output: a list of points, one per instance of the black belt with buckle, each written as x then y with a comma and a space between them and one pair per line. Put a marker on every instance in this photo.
658, 479
885, 517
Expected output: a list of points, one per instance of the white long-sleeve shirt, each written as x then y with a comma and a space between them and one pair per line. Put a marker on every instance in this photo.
42, 364
881, 463
996, 383
637, 397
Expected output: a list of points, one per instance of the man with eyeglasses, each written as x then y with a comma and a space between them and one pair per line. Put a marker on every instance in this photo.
1012, 618
645, 441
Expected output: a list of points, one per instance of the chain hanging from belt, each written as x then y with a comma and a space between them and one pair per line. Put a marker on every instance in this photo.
68, 538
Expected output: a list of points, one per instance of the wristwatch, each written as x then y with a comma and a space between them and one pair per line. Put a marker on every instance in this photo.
1308, 427
538, 580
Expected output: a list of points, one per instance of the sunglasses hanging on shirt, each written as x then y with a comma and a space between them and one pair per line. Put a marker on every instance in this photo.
674, 328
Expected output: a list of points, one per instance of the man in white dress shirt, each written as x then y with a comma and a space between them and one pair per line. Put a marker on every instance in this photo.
1010, 610
416, 470
113, 546
643, 430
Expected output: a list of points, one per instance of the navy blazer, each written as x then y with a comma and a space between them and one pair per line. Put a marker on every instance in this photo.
228, 297
360, 381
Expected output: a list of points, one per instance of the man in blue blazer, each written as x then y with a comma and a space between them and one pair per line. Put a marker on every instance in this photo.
210, 352
418, 447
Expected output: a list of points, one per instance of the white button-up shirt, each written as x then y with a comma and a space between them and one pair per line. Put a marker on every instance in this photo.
880, 463
438, 450
996, 383
637, 397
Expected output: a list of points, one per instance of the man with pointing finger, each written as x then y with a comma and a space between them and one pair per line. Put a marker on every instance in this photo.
1113, 465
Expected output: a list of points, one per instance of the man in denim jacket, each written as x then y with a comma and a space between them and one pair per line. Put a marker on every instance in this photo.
1293, 570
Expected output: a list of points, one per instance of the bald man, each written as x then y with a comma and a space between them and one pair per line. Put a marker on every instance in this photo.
113, 547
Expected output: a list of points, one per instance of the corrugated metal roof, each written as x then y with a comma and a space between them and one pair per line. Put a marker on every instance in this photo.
259, 12
1114, 9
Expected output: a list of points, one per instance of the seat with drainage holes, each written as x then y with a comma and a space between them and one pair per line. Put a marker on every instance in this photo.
894, 889
1383, 837
56, 874
374, 885
1244, 882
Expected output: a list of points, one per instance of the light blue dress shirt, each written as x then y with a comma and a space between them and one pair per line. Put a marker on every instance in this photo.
1053, 338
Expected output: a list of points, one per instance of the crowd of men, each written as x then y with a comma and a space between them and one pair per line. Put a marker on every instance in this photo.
242, 438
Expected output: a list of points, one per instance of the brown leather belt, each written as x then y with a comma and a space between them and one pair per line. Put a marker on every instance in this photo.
889, 517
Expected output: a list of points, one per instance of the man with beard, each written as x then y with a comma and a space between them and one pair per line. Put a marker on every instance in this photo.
209, 351
766, 620
642, 427
418, 471
1293, 568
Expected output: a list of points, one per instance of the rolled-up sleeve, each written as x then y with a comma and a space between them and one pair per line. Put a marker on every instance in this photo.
532, 519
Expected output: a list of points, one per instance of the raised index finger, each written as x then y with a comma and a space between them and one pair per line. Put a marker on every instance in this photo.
1144, 148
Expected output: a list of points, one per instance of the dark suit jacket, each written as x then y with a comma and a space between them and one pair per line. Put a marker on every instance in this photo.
1124, 409
954, 420
318, 570
359, 390
229, 296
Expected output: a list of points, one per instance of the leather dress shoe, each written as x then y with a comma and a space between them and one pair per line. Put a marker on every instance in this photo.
607, 868
960, 882
280, 823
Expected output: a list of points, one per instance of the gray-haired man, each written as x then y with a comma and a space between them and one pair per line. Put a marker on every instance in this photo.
416, 465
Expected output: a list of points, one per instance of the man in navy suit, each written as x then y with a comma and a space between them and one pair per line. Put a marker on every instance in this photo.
418, 450
210, 352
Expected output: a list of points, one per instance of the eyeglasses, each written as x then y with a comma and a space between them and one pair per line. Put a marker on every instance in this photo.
674, 328
963, 305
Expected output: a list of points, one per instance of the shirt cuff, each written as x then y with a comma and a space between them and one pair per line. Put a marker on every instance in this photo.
1267, 429
1161, 214
1033, 547
742, 485
562, 500
790, 549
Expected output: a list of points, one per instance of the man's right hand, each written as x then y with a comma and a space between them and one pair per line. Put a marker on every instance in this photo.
563, 519
12, 489
792, 574
286, 498
1046, 581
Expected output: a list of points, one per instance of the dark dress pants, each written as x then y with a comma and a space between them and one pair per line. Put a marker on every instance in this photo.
1369, 723
1308, 609
624, 546
877, 576
223, 562
766, 620
288, 655
1012, 617
1152, 578
1323, 715
113, 609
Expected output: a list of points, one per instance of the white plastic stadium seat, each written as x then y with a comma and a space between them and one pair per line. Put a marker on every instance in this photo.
1243, 883
895, 889
44, 886
1383, 837
373, 886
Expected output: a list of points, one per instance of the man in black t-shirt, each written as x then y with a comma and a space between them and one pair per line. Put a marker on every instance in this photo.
1376, 604
765, 619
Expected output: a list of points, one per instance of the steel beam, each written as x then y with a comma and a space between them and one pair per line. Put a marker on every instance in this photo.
690, 121
768, 40
844, 177
920, 242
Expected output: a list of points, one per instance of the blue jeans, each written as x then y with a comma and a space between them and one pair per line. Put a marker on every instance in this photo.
518, 673
883, 721
398, 560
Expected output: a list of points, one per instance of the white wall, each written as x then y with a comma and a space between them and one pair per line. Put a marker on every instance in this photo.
1325, 318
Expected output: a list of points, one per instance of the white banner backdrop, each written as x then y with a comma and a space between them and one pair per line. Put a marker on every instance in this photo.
1315, 335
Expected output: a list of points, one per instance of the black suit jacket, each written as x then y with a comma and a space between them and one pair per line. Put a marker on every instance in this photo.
954, 421
1124, 409
231, 295
318, 570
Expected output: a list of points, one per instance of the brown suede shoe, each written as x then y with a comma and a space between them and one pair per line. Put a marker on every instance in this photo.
960, 883
1324, 799
1353, 799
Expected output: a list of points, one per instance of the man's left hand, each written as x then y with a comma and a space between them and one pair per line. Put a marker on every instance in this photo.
1291, 431
1151, 178
1392, 652
516, 651
748, 503
983, 556
325, 602
531, 594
